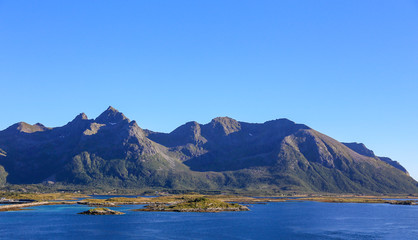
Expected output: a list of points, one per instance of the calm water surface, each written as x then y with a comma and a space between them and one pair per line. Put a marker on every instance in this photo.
287, 220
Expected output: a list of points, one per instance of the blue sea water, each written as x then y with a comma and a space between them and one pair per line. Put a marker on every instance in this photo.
285, 220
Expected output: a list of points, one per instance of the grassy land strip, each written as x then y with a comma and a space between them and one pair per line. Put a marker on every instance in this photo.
182, 202
42, 196
197, 204
101, 211
16, 207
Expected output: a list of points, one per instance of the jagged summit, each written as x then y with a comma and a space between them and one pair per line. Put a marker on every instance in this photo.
223, 119
83, 116
111, 116
226, 125
80, 117
186, 127
26, 127
189, 132
79, 122
110, 108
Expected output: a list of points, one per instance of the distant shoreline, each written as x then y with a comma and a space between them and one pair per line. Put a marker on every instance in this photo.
169, 202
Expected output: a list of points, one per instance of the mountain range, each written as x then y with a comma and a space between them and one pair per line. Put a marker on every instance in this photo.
276, 156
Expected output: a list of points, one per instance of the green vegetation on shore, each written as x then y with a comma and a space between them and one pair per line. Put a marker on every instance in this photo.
101, 211
198, 204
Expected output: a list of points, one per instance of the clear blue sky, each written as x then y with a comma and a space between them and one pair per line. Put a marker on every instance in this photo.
348, 69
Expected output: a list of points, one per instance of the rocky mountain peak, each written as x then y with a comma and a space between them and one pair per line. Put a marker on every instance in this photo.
111, 116
110, 108
186, 127
223, 120
226, 124
189, 132
83, 116
79, 117
26, 127
80, 121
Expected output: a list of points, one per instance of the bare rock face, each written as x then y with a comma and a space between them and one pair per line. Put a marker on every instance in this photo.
27, 128
94, 128
2, 153
223, 126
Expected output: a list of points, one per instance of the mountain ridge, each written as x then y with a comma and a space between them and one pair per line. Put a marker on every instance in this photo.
277, 155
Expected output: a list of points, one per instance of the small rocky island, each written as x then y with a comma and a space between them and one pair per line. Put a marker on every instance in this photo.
101, 211
199, 204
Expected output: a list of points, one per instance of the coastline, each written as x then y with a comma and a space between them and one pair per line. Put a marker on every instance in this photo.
167, 202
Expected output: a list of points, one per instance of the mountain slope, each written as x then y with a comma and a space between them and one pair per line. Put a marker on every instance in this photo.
362, 149
277, 155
